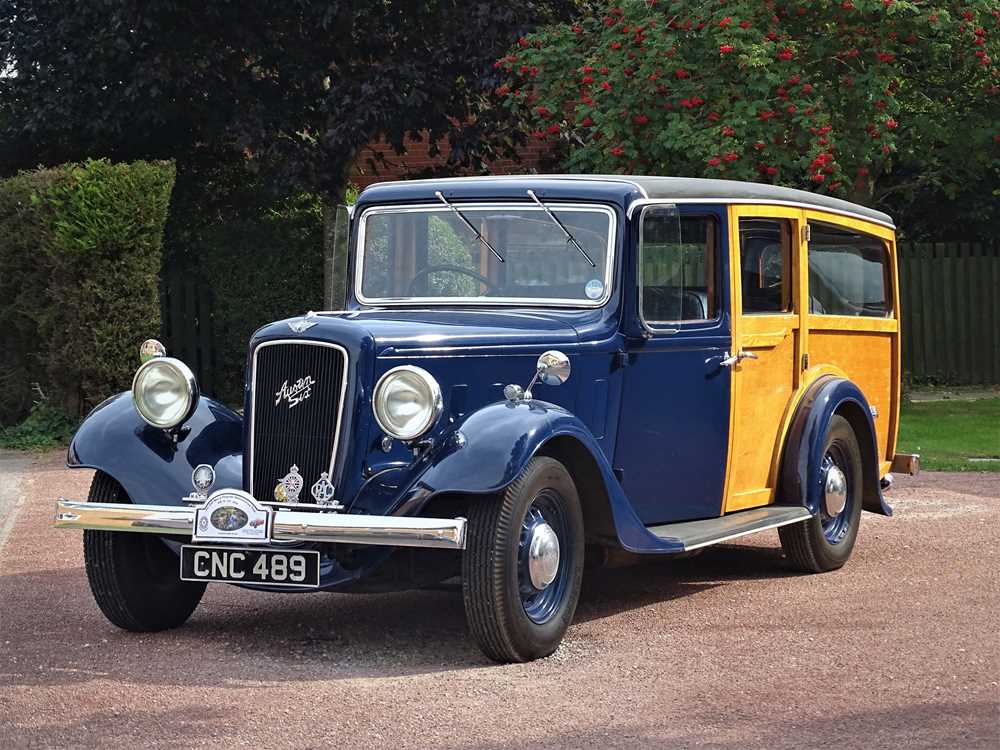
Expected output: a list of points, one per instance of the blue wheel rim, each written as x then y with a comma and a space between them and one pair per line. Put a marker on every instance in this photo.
541, 605
835, 528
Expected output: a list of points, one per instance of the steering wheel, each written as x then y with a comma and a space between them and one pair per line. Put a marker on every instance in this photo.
410, 289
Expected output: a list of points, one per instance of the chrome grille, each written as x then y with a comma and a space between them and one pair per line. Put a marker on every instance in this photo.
283, 433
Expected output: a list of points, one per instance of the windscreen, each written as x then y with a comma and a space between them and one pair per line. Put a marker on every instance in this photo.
497, 254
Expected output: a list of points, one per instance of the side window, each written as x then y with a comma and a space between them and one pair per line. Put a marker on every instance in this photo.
848, 273
677, 260
766, 265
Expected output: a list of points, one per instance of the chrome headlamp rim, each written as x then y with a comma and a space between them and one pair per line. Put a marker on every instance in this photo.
436, 404
193, 393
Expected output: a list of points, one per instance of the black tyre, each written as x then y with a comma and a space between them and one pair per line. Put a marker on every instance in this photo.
135, 578
520, 595
825, 541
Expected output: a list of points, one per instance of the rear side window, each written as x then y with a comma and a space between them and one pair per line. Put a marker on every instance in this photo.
848, 273
677, 266
766, 265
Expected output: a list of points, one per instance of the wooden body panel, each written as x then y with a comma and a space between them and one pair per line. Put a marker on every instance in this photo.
863, 357
766, 385
796, 349
762, 387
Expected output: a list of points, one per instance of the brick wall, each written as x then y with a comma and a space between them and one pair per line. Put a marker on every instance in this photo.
416, 159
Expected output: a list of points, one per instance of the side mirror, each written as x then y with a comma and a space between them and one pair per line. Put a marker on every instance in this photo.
553, 368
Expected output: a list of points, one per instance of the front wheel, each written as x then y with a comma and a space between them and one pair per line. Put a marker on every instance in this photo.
824, 542
523, 564
135, 578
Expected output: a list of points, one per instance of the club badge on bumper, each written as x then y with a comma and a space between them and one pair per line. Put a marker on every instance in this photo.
232, 516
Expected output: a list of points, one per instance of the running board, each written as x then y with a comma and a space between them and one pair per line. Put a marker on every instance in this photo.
697, 534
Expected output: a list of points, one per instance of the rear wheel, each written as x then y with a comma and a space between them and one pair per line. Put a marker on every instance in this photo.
826, 540
523, 564
135, 578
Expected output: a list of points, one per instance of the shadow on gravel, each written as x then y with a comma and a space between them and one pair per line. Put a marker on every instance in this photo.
53, 634
181, 727
922, 726
610, 591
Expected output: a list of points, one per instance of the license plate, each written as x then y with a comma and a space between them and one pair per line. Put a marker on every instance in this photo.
247, 565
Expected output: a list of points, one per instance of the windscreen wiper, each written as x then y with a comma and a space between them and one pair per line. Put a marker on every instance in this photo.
569, 237
469, 225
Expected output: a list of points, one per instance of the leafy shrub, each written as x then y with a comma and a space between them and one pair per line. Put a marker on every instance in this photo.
80, 249
23, 279
46, 426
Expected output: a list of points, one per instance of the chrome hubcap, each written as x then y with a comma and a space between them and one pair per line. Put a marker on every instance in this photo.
835, 495
543, 556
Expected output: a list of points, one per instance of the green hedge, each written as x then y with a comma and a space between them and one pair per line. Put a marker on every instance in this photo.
80, 250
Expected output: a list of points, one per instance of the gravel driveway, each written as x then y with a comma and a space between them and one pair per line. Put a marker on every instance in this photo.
727, 650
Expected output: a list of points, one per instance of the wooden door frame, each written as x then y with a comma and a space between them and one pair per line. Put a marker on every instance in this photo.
797, 325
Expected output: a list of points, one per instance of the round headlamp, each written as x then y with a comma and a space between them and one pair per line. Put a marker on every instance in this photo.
407, 402
165, 392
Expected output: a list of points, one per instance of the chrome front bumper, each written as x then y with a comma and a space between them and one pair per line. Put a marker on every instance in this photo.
288, 525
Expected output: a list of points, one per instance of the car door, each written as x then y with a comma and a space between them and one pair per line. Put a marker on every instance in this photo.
674, 426
766, 281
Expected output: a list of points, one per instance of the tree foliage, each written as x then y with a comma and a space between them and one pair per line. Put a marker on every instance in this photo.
297, 84
884, 102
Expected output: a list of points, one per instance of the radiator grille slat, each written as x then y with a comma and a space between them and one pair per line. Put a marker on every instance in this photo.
303, 433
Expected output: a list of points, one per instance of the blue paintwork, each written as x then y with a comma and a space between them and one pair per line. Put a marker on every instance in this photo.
802, 476
674, 420
146, 461
500, 440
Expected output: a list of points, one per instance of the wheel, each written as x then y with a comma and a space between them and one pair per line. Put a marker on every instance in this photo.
135, 578
523, 564
825, 541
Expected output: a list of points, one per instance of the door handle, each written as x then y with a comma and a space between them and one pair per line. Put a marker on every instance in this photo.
733, 359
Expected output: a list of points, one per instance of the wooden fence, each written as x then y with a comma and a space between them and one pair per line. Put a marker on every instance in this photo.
950, 297
949, 291
186, 329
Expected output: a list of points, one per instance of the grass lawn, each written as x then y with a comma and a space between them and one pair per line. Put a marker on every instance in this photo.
947, 434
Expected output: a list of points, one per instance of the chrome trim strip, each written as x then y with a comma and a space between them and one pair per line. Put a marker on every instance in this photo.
253, 397
609, 261
287, 525
708, 531
776, 524
756, 202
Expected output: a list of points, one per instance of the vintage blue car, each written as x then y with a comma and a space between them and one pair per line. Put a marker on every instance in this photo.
531, 373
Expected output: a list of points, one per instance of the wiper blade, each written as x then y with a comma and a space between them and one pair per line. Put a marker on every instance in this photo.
469, 224
569, 237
